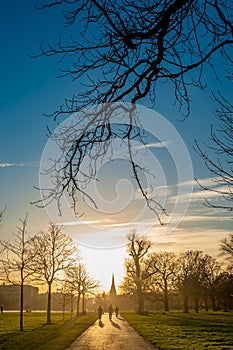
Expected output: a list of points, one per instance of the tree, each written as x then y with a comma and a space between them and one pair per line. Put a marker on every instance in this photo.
123, 51
88, 286
136, 274
210, 274
80, 283
54, 253
17, 261
224, 287
162, 267
226, 248
190, 277
219, 161
74, 281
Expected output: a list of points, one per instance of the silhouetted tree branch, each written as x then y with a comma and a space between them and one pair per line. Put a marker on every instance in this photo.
218, 157
122, 51
226, 248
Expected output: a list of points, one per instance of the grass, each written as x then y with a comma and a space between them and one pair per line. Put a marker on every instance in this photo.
38, 336
176, 330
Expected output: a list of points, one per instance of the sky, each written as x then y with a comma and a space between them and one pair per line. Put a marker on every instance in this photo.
30, 88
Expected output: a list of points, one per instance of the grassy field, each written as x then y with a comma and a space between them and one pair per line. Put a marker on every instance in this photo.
176, 330
38, 336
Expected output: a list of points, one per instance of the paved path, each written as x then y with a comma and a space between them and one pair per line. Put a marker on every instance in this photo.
115, 335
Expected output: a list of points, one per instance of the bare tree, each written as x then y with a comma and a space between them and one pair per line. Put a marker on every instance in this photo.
17, 260
122, 51
226, 248
73, 278
54, 253
88, 287
210, 277
81, 283
162, 266
224, 287
136, 273
190, 277
218, 157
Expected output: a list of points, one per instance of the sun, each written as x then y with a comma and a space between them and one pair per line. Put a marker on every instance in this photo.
102, 263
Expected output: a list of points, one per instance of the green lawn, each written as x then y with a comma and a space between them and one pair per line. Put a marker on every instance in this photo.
38, 336
176, 330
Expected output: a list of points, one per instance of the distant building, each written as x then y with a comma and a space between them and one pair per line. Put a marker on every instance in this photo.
10, 297
113, 293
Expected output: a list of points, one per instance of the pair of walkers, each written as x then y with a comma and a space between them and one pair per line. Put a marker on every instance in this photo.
110, 312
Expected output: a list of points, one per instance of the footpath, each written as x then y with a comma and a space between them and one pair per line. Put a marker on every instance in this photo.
111, 335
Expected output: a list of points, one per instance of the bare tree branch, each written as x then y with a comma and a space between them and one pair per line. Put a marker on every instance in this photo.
219, 160
122, 51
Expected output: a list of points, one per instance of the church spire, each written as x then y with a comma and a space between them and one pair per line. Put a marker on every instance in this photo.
113, 288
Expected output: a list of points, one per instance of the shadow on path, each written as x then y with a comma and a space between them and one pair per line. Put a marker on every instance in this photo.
115, 325
101, 324
111, 335
121, 319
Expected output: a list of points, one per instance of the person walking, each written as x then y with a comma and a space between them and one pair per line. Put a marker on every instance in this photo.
100, 312
117, 311
110, 312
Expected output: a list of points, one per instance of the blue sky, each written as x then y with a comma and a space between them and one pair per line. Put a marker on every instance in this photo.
29, 88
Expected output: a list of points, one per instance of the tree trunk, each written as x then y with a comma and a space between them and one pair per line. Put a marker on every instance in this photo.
213, 301
165, 298
140, 300
63, 306
186, 307
83, 304
78, 303
206, 304
196, 305
139, 287
165, 301
225, 305
71, 305
21, 308
49, 304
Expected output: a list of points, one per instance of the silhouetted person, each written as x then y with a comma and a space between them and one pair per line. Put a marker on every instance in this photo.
116, 311
110, 311
100, 312
1, 308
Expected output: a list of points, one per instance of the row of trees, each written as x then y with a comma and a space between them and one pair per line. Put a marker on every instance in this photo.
192, 275
43, 259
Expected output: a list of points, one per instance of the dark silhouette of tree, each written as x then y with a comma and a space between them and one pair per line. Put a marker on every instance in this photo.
190, 277
162, 267
224, 287
54, 252
88, 287
210, 275
136, 273
74, 281
218, 157
121, 51
81, 284
17, 261
226, 248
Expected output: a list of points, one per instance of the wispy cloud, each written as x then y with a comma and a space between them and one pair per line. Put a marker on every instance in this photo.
161, 144
7, 165
79, 222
